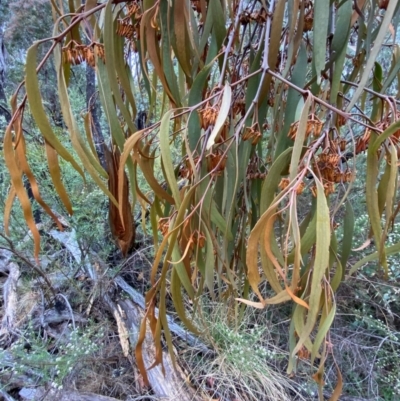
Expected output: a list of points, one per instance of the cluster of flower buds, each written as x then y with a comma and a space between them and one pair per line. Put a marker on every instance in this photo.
75, 53
314, 126
285, 183
197, 238
258, 17
186, 170
163, 225
208, 116
126, 29
216, 162
252, 133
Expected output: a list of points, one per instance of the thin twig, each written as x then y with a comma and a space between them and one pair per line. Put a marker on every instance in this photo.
28, 262
69, 308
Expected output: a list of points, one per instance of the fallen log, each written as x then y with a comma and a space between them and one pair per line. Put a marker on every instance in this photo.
36, 394
172, 385
10, 298
138, 299
128, 315
70, 242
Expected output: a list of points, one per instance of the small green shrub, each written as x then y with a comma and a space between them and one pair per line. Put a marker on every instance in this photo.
50, 362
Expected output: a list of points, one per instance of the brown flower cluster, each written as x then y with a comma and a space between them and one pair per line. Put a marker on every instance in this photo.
252, 133
129, 27
208, 116
239, 107
259, 17
383, 4
363, 141
163, 225
314, 127
256, 176
285, 183
186, 170
216, 162
126, 29
340, 120
308, 18
75, 53
329, 166
196, 6
255, 169
197, 238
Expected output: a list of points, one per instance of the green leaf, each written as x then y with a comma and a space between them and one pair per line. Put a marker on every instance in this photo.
293, 97
89, 161
348, 231
320, 264
166, 37
339, 46
167, 156
342, 29
394, 70
390, 250
371, 192
217, 13
321, 22
179, 302
37, 109
322, 332
377, 78
195, 97
112, 48
383, 29
299, 141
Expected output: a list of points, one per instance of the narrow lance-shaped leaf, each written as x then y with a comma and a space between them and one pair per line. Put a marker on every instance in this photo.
167, 157
321, 15
390, 250
348, 230
339, 46
371, 192
374, 53
182, 38
18, 187
320, 263
37, 110
299, 140
222, 115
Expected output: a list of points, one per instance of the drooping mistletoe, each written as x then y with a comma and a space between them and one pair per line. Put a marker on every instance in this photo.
261, 110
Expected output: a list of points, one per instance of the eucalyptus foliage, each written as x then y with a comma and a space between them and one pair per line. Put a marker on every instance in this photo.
257, 111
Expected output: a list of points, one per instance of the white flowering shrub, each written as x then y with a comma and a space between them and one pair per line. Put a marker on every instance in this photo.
387, 356
361, 229
242, 348
49, 362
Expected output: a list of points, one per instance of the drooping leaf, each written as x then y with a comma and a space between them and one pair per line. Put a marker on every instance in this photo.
383, 29
320, 264
222, 116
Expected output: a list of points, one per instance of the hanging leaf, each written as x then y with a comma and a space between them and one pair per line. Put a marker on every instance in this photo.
222, 116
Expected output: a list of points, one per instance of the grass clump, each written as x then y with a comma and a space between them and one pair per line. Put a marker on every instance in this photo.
245, 364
